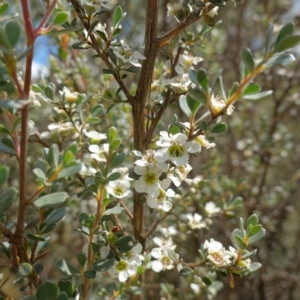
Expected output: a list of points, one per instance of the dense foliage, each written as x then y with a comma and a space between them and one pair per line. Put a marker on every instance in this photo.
153, 152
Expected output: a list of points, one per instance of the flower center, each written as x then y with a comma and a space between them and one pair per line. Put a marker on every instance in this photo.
118, 191
162, 196
176, 150
166, 261
150, 178
122, 265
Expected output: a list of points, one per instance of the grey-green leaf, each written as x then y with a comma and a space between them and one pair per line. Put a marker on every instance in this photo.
258, 96
48, 290
184, 106
248, 60
51, 200
7, 198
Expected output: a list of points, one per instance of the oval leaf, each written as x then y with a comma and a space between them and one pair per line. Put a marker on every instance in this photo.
51, 200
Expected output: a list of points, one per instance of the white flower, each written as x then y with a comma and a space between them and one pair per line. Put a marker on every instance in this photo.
217, 253
127, 55
149, 181
164, 243
167, 232
175, 148
195, 221
180, 83
217, 105
34, 98
185, 62
161, 200
211, 208
202, 141
68, 95
95, 135
149, 160
124, 270
134, 256
99, 153
180, 173
163, 260
119, 189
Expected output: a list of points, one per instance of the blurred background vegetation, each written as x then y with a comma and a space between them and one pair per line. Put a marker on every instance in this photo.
257, 158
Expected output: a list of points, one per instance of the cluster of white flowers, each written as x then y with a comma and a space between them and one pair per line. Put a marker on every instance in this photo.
120, 188
157, 168
128, 264
220, 257
164, 255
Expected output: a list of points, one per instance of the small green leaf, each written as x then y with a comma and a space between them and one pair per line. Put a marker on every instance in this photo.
60, 18
202, 79
66, 286
73, 148
283, 59
118, 159
62, 296
252, 220
236, 232
7, 199
284, 32
13, 32
125, 243
252, 88
185, 271
254, 266
70, 170
113, 211
90, 274
81, 258
184, 106
112, 134
252, 230
64, 31
117, 16
258, 96
115, 144
248, 60
207, 280
68, 157
5, 148
103, 264
93, 120
97, 110
197, 95
3, 8
51, 200
35, 237
239, 242
114, 176
258, 236
53, 155
219, 128
210, 21
48, 290
48, 228
56, 215
287, 43
4, 170
38, 267
269, 39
